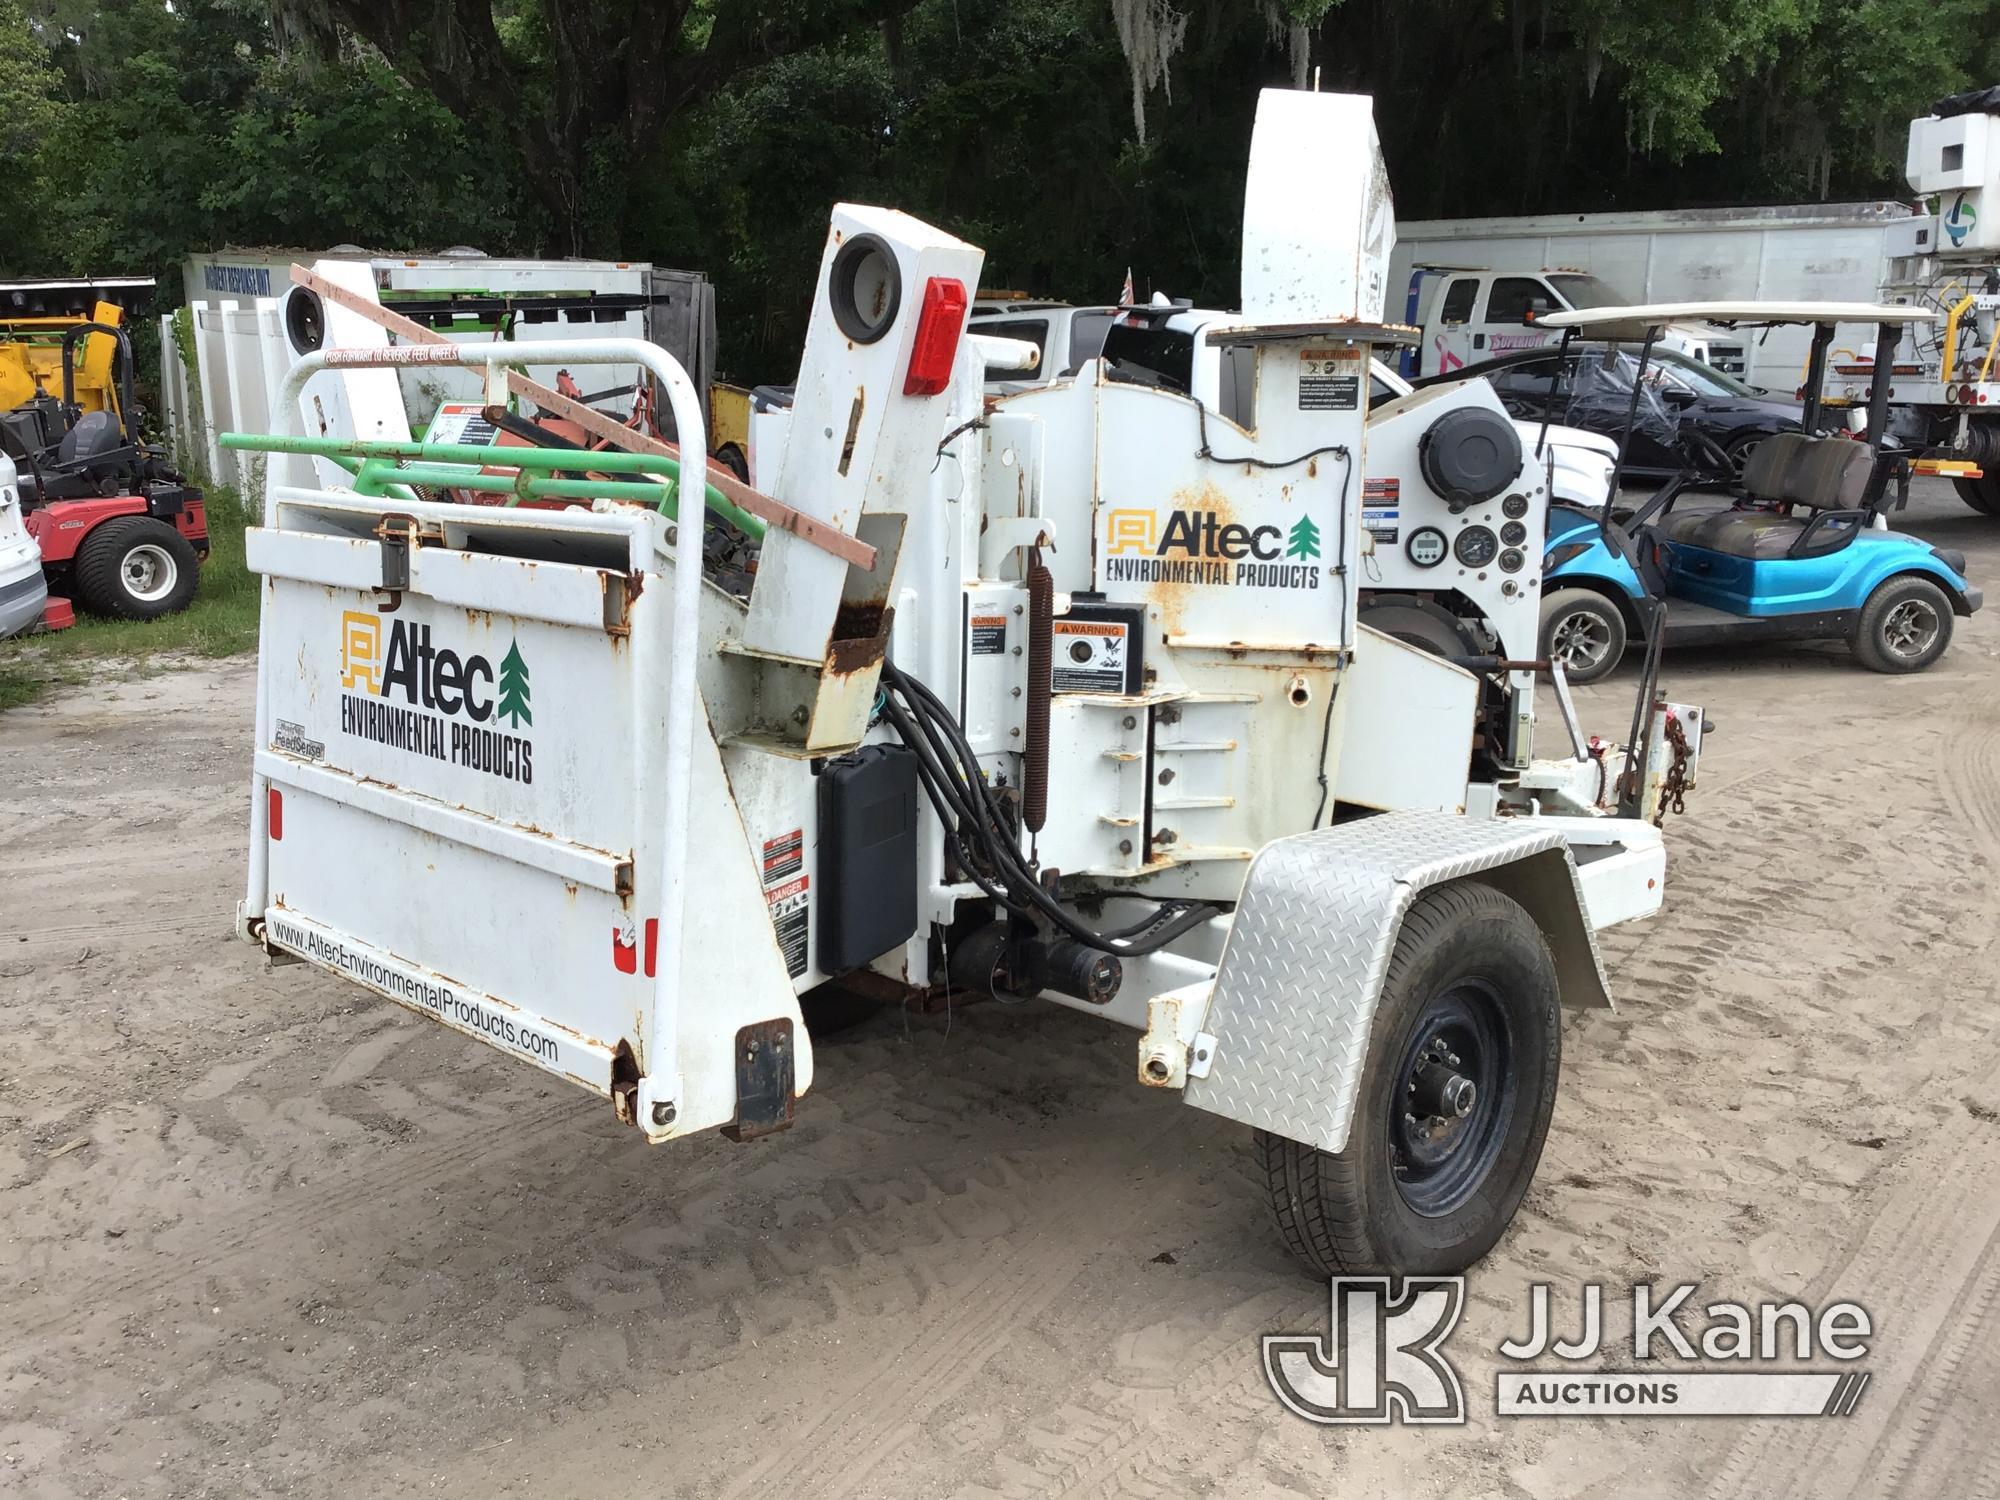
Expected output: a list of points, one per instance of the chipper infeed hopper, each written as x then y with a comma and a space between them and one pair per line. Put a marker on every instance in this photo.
1062, 697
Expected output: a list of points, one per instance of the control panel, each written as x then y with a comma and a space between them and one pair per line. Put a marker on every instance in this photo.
1452, 503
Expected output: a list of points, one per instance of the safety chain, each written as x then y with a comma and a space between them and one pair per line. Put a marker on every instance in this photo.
1673, 786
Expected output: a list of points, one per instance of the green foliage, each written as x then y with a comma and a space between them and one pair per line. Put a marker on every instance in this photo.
194, 127
715, 133
30, 88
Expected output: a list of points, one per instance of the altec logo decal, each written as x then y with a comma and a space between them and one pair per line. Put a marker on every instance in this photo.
1959, 222
405, 691
1199, 546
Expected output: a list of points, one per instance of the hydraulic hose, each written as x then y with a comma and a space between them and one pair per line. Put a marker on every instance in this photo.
977, 832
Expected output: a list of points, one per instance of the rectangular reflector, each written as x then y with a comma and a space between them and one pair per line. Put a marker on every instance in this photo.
939, 324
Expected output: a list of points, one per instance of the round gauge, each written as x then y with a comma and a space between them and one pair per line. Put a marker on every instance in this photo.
1514, 507
1511, 560
1427, 546
1475, 546
1513, 533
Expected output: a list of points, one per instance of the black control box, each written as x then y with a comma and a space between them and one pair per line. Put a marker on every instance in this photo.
867, 895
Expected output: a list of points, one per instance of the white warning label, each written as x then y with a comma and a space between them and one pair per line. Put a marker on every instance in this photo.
790, 905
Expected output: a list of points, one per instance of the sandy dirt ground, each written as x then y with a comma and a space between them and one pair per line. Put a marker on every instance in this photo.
261, 1233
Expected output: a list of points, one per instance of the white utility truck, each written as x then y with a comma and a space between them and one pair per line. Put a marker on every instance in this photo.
1946, 394
1812, 252
1062, 695
1470, 314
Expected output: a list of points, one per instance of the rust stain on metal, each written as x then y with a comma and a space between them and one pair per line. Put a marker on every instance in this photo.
860, 638
1171, 596
625, 1083
846, 658
857, 621
765, 1080
853, 429
882, 988
620, 591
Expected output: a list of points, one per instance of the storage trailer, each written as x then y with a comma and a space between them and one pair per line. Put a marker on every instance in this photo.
1815, 252
223, 359
1059, 696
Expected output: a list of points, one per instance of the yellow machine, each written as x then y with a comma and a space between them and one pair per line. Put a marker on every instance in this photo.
34, 316
729, 426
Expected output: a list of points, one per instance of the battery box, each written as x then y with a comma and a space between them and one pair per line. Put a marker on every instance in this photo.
867, 855
1097, 649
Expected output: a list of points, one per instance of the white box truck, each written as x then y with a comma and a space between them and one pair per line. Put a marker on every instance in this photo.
1821, 252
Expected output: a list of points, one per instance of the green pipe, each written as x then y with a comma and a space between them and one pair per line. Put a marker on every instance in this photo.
444, 476
662, 497
604, 461
380, 461
397, 492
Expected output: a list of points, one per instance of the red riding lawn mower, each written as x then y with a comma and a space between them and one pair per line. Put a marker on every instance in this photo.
119, 529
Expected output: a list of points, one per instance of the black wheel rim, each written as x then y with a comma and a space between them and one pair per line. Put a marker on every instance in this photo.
1910, 629
1459, 1059
1580, 639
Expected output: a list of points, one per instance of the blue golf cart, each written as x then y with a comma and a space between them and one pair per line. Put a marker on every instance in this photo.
1803, 553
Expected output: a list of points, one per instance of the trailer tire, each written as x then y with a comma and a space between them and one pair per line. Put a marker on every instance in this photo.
136, 568
1586, 630
1982, 494
1905, 626
1471, 975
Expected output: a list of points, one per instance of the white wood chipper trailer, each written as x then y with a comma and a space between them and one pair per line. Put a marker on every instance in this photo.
1060, 695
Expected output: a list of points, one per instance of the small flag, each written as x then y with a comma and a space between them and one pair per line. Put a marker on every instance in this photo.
1126, 298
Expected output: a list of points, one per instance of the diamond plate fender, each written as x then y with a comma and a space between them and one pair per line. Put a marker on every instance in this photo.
1315, 926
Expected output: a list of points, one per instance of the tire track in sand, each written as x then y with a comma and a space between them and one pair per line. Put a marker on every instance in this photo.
844, 1443
1928, 1269
1969, 772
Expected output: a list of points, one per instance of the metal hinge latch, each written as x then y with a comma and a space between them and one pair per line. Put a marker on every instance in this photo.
398, 534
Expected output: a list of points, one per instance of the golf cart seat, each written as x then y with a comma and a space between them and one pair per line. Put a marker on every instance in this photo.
1770, 464
1811, 474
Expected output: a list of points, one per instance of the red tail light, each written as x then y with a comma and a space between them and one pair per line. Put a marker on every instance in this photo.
938, 328
274, 817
